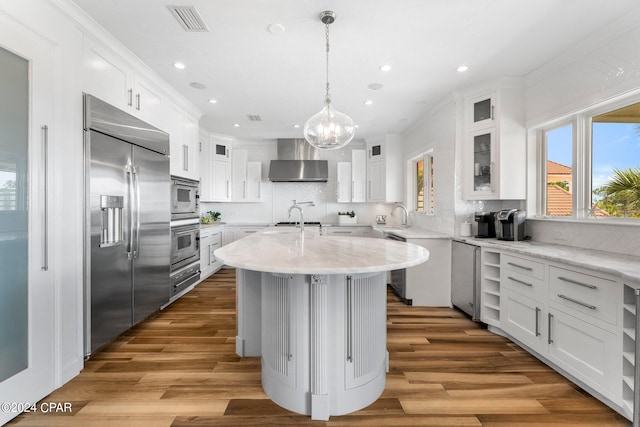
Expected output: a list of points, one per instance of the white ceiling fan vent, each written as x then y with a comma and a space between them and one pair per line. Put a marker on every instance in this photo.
189, 18
254, 118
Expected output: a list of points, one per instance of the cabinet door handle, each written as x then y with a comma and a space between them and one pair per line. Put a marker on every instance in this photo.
492, 176
520, 281
575, 301
537, 321
45, 206
549, 320
349, 321
493, 107
288, 325
138, 101
185, 157
524, 267
575, 282
130, 98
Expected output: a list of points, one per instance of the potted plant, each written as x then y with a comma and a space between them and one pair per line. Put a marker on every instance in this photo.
215, 216
347, 217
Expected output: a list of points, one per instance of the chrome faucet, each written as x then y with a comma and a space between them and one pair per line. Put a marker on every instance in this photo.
405, 216
298, 206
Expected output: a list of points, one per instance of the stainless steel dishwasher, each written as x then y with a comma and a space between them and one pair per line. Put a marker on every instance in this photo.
398, 278
465, 278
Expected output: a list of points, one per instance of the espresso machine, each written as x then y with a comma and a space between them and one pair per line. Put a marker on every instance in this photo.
509, 224
486, 224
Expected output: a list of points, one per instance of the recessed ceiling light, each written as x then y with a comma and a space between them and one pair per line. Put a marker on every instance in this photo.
368, 102
462, 68
236, 125
276, 29
197, 85
356, 126
213, 101
179, 65
296, 126
385, 67
375, 86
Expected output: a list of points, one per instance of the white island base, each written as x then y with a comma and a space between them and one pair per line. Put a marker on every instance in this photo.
322, 338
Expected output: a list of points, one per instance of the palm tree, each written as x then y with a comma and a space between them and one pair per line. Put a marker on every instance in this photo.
624, 185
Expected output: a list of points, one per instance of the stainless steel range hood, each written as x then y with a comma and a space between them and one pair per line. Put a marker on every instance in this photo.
298, 161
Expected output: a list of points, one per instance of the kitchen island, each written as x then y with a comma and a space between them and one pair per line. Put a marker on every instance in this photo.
314, 308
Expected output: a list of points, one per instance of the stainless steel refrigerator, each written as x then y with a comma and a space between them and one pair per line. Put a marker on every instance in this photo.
128, 217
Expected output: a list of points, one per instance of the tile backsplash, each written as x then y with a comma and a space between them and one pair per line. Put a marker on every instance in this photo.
616, 238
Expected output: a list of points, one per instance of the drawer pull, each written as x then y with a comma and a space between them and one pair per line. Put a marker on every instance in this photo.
520, 281
592, 307
549, 321
524, 267
575, 282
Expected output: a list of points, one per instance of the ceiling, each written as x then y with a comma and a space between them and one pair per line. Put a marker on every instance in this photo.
249, 70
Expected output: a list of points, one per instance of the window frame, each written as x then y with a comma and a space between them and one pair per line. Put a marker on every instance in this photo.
582, 163
428, 183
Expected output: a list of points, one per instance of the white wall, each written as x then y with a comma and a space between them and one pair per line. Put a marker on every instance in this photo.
602, 68
277, 196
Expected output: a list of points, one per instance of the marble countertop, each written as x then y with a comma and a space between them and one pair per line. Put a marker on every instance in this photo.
285, 250
626, 267
411, 232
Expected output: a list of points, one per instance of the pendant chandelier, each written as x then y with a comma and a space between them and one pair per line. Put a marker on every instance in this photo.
329, 129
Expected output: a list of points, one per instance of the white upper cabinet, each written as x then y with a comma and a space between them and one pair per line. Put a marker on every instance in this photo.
215, 184
184, 144
494, 143
109, 77
343, 182
384, 169
351, 185
246, 177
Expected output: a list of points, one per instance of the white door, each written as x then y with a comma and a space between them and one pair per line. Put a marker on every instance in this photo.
26, 279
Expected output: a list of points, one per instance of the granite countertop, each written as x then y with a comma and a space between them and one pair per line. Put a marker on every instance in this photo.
285, 250
626, 267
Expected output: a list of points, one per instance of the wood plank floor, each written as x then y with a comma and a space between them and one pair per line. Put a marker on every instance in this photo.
180, 369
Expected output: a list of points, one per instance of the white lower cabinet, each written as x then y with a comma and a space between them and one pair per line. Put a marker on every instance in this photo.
523, 319
584, 350
568, 316
233, 233
323, 340
210, 240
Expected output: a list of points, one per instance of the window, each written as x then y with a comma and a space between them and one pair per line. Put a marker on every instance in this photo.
423, 184
590, 167
559, 171
615, 171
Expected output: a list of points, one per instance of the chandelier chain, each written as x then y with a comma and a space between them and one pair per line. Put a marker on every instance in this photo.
327, 96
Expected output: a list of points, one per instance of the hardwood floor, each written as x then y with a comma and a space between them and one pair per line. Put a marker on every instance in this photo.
180, 369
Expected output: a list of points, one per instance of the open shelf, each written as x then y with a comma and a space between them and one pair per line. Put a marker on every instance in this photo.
628, 349
490, 284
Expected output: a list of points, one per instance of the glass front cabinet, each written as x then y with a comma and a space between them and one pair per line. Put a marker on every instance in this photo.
494, 153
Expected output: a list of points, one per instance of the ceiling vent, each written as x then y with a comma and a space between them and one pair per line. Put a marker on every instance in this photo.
254, 118
189, 18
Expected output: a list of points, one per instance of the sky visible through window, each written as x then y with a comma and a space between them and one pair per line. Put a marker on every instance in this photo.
615, 146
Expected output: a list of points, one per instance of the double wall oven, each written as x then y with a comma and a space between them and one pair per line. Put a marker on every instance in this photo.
185, 234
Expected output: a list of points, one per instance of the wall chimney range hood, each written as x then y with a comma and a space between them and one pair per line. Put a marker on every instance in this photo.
298, 161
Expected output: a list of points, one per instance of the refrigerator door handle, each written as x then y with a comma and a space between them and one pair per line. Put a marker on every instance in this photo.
136, 184
128, 169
